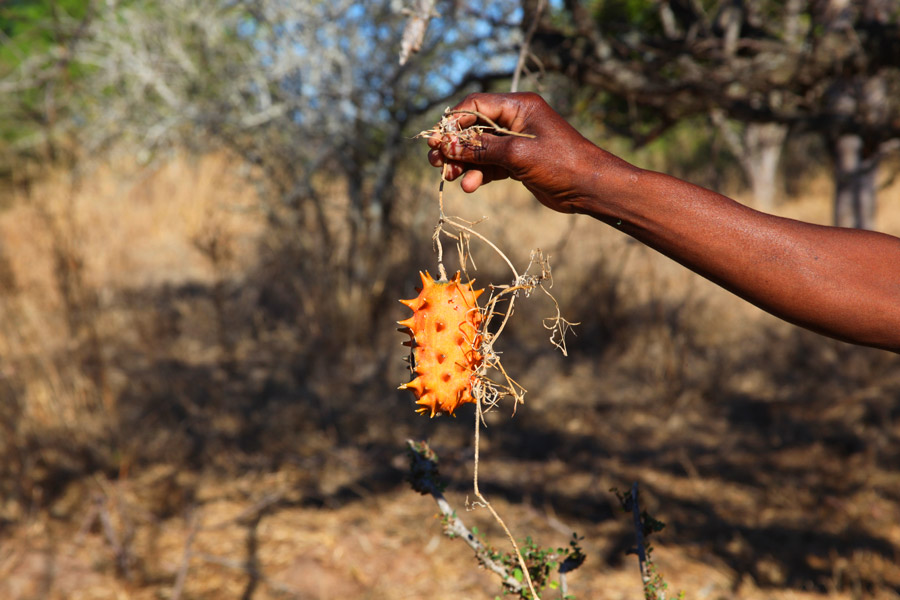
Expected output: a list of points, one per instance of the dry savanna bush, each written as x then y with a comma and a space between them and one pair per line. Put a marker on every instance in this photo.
96, 265
199, 401
158, 314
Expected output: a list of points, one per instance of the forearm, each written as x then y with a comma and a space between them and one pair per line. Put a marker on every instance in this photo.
839, 282
843, 283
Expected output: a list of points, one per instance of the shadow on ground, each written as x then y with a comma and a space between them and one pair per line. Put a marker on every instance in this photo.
777, 459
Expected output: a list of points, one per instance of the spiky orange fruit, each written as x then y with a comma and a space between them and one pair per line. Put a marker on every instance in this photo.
446, 333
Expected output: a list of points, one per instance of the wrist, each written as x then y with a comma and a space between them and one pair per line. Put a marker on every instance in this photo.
608, 190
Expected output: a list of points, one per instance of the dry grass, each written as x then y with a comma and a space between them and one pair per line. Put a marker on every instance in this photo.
181, 415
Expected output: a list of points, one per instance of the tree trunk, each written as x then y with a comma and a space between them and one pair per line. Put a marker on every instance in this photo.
855, 183
757, 148
764, 142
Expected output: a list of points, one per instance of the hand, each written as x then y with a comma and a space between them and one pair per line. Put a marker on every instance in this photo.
559, 166
839, 282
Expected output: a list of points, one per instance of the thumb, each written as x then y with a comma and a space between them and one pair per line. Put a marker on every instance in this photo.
484, 149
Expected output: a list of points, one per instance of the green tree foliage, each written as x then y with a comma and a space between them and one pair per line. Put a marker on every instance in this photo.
38, 42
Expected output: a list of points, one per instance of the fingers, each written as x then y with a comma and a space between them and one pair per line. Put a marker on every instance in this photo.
456, 156
472, 180
484, 158
474, 176
519, 113
485, 149
451, 169
506, 110
435, 157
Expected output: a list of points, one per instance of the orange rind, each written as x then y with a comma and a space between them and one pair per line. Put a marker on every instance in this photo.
445, 335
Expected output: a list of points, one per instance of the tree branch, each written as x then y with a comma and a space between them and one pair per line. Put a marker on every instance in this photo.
425, 479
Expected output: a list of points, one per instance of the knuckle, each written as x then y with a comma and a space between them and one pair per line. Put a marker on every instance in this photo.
471, 99
531, 97
516, 152
530, 101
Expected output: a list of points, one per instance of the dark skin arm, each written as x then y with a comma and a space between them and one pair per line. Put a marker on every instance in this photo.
843, 283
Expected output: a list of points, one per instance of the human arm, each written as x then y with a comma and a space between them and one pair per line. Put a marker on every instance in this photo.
844, 283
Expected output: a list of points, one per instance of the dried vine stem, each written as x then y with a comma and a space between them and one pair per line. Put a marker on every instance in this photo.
484, 389
469, 136
486, 392
483, 386
492, 125
484, 501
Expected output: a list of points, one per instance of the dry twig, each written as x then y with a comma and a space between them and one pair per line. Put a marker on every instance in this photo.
524, 51
414, 31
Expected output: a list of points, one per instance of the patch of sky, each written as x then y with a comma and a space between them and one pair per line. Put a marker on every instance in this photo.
340, 59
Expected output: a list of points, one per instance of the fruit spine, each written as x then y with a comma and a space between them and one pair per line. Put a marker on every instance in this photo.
445, 331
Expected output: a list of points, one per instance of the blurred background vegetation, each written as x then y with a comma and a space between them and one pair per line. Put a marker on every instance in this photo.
208, 210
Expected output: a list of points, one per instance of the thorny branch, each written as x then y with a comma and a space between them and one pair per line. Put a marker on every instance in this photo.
655, 587
639, 533
425, 479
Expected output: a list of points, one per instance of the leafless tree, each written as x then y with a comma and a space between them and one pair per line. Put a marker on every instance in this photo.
309, 94
826, 66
